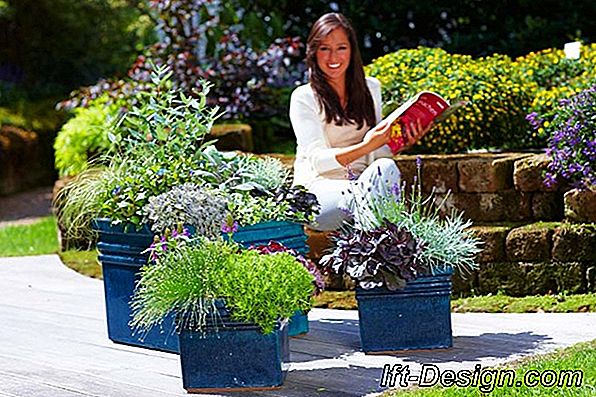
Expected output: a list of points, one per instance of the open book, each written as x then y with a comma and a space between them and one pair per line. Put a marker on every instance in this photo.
425, 106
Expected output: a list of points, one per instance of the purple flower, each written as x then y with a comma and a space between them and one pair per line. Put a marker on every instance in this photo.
418, 163
227, 228
351, 175
395, 190
116, 191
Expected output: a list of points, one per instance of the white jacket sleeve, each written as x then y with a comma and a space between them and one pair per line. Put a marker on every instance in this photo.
308, 128
375, 90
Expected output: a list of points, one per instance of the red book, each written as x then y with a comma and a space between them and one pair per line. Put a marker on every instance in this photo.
425, 106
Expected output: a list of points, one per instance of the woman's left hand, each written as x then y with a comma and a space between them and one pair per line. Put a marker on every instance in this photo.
413, 132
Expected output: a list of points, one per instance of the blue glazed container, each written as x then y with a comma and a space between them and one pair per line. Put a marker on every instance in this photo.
121, 259
233, 355
289, 234
416, 317
298, 323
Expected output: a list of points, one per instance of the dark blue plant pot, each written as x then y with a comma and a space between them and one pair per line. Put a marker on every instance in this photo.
233, 356
120, 255
416, 317
289, 234
298, 323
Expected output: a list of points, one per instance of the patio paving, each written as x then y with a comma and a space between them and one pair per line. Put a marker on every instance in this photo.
54, 343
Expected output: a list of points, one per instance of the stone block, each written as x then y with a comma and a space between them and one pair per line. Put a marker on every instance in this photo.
580, 206
318, 242
438, 172
522, 279
493, 238
464, 284
528, 174
575, 243
530, 243
490, 207
485, 174
553, 277
232, 137
547, 206
26, 160
506, 277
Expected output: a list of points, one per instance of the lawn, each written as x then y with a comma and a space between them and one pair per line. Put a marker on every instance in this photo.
33, 239
580, 357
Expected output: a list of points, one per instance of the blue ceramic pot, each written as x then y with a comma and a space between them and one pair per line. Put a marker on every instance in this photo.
233, 355
289, 234
120, 255
416, 317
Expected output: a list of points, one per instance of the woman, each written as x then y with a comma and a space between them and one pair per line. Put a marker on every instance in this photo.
333, 117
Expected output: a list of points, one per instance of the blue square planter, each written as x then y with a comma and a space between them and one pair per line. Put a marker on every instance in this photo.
298, 323
121, 261
416, 317
233, 356
289, 234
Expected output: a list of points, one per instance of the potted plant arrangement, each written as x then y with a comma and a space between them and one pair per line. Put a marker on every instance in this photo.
231, 307
159, 175
401, 253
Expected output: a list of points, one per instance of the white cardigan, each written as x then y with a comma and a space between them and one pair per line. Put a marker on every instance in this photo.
318, 141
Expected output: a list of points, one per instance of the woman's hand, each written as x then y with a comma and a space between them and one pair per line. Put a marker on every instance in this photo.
413, 132
379, 136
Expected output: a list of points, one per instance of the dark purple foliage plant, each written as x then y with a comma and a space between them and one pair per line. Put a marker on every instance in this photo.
384, 256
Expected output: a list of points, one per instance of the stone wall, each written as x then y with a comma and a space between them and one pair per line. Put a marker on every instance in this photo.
537, 240
26, 161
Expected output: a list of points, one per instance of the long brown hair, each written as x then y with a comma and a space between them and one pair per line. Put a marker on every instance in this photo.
360, 108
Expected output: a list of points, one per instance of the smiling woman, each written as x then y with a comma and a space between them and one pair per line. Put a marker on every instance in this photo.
333, 117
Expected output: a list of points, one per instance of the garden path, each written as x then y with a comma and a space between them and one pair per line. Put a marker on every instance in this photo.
54, 343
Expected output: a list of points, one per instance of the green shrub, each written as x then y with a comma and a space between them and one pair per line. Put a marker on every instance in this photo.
551, 77
189, 277
84, 137
495, 115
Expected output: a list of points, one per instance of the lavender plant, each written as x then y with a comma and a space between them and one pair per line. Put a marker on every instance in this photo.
571, 128
189, 204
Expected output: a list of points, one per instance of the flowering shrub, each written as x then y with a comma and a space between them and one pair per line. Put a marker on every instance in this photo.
495, 115
500, 91
552, 77
274, 247
571, 140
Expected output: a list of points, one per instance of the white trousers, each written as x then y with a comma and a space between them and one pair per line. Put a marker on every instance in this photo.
338, 196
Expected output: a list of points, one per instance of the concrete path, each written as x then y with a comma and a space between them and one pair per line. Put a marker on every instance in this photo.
53, 342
